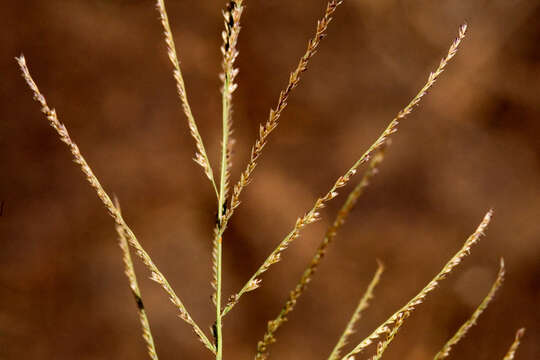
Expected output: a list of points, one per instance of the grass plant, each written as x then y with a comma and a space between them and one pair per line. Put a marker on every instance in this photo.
227, 201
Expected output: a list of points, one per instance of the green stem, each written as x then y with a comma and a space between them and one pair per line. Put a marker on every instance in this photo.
219, 352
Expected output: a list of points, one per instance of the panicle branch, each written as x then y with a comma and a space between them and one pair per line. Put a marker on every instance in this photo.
136, 292
313, 215
200, 156
445, 351
513, 348
384, 328
273, 325
157, 276
272, 122
362, 305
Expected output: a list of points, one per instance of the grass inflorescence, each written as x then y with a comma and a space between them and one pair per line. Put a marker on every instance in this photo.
227, 201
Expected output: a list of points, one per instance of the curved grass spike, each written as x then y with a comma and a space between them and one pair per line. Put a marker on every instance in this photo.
232, 15
157, 276
265, 130
273, 119
362, 305
313, 215
273, 325
129, 270
200, 156
445, 351
510, 355
384, 328
383, 345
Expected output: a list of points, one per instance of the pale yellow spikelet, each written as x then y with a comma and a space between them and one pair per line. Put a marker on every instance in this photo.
313, 215
272, 122
156, 275
200, 156
383, 345
445, 351
362, 305
273, 325
384, 328
510, 355
129, 270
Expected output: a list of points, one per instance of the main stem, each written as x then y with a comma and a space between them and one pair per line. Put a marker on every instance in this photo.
219, 352
221, 202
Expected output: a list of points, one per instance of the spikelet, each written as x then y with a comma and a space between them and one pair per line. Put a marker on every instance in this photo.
313, 215
232, 15
272, 122
384, 328
362, 305
513, 348
129, 270
273, 325
157, 276
200, 156
445, 351
383, 345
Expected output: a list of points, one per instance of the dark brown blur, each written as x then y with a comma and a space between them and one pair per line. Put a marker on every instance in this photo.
473, 144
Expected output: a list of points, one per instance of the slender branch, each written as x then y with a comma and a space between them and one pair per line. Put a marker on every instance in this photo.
362, 305
136, 292
513, 348
313, 215
383, 345
331, 233
445, 351
384, 328
200, 156
157, 276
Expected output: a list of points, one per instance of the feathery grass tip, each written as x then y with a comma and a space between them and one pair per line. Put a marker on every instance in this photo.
384, 328
362, 305
157, 276
200, 156
445, 351
513, 348
129, 270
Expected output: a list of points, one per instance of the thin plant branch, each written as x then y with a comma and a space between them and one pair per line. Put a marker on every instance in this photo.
445, 351
510, 355
157, 276
313, 215
362, 305
129, 270
331, 233
200, 156
384, 328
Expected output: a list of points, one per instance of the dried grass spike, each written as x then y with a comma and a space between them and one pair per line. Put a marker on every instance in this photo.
445, 351
273, 325
419, 298
362, 305
200, 156
513, 348
313, 215
107, 202
272, 122
134, 286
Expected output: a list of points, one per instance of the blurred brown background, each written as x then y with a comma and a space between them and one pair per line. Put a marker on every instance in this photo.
473, 144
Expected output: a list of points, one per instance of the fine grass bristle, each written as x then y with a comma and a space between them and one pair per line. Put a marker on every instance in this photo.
445, 351
200, 156
228, 201
331, 233
129, 270
273, 119
385, 328
513, 348
313, 215
362, 305
157, 276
